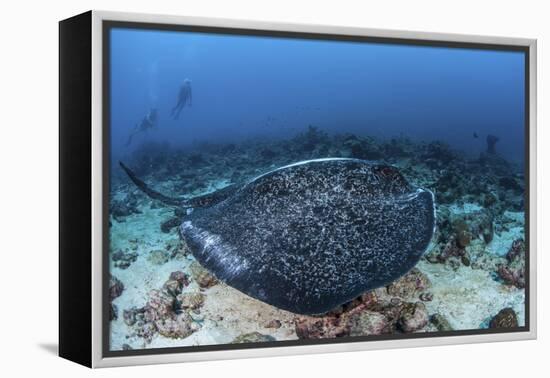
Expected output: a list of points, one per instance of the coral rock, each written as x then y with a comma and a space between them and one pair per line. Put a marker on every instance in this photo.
115, 287
339, 323
121, 208
253, 337
273, 324
170, 224
513, 271
482, 224
491, 142
438, 154
413, 317
513, 277
426, 297
113, 312
440, 322
369, 323
146, 330
516, 251
175, 284
180, 277
449, 187
462, 232
123, 259
130, 315
511, 183
177, 327
506, 318
373, 313
309, 327
163, 312
410, 285
362, 148
177, 249
190, 301
457, 233
159, 305
203, 277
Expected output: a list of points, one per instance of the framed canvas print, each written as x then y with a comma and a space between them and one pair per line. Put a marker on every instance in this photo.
234, 189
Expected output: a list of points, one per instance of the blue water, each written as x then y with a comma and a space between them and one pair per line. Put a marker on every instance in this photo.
262, 87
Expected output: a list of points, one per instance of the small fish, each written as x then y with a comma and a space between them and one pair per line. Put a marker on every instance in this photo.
475, 135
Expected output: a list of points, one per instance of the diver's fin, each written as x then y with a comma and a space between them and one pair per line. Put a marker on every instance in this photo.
150, 192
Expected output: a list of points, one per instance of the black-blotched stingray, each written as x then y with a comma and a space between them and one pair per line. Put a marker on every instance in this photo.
309, 236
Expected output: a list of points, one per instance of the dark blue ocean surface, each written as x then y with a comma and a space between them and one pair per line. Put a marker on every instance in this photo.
262, 87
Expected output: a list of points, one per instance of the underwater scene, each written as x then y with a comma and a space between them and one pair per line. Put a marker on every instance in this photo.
279, 188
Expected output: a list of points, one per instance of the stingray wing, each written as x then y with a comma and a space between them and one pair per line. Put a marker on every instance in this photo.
309, 237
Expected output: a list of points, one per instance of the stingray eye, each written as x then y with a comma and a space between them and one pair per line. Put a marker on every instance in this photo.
386, 172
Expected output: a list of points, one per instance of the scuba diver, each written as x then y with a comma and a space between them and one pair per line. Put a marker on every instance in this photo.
148, 122
185, 96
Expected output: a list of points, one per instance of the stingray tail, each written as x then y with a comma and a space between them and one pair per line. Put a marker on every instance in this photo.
171, 201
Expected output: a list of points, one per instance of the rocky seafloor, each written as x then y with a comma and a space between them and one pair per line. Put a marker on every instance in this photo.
471, 277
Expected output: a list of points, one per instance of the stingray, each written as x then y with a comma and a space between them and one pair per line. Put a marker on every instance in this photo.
309, 236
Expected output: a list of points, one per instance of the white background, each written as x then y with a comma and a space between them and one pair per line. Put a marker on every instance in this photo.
28, 185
